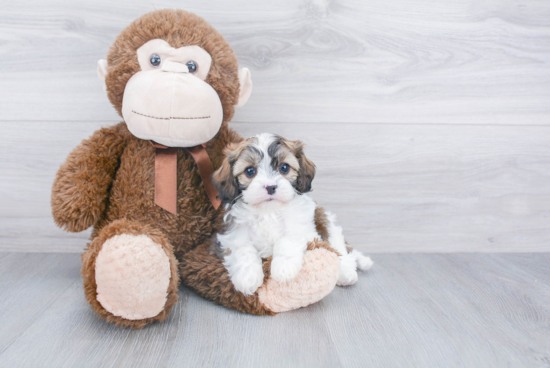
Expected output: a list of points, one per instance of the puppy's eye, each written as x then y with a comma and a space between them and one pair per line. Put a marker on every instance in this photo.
250, 171
284, 168
192, 66
155, 60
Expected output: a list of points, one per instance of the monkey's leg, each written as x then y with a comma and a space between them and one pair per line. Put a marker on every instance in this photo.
130, 274
205, 273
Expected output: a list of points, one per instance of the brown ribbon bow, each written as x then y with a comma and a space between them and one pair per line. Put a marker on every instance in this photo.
166, 175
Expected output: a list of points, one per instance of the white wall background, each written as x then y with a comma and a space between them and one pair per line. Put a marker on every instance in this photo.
429, 120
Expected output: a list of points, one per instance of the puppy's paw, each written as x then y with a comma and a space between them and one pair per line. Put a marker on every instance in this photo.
285, 269
347, 277
363, 262
248, 279
348, 274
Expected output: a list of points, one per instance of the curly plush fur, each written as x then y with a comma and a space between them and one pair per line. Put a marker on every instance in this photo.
108, 181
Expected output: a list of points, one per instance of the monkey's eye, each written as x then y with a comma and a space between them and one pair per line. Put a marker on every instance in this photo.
155, 60
250, 171
192, 66
284, 168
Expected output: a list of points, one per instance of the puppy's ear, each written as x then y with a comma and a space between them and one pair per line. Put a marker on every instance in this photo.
307, 169
223, 178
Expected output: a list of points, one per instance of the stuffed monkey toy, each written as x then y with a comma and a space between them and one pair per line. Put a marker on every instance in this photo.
145, 184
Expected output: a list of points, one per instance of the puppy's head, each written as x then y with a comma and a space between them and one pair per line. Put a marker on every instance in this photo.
264, 168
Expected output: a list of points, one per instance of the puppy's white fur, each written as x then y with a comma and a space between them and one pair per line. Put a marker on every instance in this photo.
279, 225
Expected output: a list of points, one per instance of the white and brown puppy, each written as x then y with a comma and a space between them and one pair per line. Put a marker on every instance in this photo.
265, 182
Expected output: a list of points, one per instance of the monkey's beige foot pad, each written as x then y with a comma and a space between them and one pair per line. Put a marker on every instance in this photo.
315, 280
132, 274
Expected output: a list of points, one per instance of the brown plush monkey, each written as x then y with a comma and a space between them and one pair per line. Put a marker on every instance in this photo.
175, 81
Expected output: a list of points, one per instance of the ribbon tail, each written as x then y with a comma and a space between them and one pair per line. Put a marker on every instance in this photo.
206, 169
166, 178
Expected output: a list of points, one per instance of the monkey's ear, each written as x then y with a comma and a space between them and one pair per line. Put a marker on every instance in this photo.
245, 82
307, 169
102, 71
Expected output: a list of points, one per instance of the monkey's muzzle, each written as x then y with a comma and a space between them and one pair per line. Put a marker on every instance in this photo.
171, 106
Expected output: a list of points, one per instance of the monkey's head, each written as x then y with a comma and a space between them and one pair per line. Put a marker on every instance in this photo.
173, 78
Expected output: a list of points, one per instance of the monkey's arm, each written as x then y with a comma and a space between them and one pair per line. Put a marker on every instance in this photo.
80, 188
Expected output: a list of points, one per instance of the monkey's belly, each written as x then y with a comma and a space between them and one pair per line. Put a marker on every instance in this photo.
132, 196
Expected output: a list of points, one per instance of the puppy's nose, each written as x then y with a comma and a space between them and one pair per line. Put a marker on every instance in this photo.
271, 189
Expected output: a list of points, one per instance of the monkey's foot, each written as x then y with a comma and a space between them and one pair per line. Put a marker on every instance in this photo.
130, 274
316, 279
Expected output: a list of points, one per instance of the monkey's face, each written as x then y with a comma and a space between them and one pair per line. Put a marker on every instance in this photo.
173, 78
168, 101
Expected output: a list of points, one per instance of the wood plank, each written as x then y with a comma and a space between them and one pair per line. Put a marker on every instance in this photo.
39, 234
213, 336
460, 310
536, 268
311, 60
197, 333
452, 310
70, 334
29, 284
394, 188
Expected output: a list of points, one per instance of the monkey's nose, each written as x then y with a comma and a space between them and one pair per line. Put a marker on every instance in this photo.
271, 189
172, 66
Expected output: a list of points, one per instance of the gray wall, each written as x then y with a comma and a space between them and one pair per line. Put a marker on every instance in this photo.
428, 120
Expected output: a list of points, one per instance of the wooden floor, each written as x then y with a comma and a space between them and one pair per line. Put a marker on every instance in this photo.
410, 310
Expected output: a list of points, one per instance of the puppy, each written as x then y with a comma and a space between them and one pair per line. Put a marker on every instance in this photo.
265, 181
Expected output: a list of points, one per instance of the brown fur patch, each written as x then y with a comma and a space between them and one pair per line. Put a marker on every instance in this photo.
281, 152
223, 179
321, 223
307, 168
82, 183
316, 243
250, 156
229, 178
281, 148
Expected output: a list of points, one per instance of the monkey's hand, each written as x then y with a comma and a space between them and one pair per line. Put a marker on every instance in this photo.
79, 192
